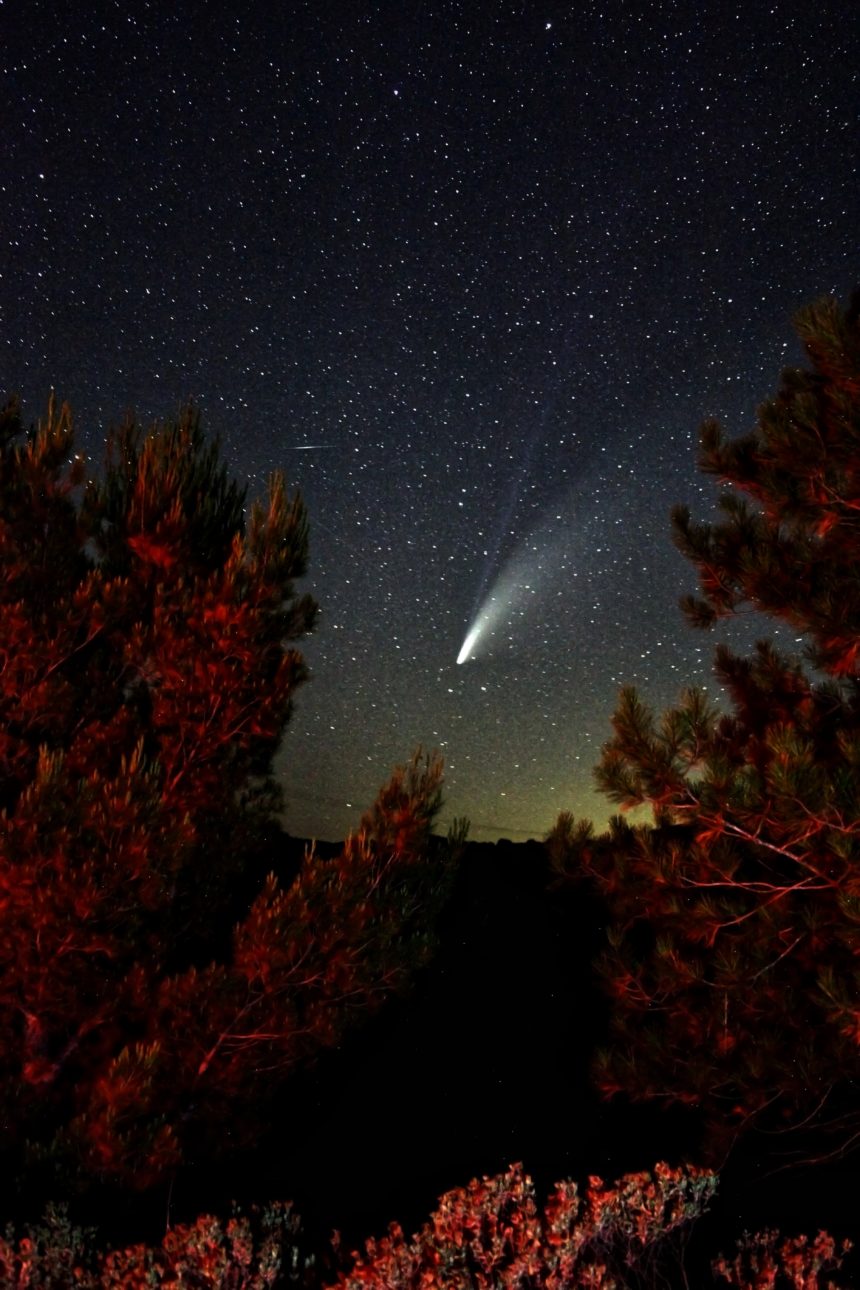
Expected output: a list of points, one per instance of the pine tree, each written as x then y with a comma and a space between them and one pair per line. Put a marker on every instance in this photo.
733, 951
147, 673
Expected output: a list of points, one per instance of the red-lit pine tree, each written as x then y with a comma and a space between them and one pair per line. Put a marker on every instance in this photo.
734, 944
147, 672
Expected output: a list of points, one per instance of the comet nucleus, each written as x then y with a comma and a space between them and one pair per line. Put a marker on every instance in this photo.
469, 644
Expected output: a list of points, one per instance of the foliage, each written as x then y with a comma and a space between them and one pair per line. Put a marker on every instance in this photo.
490, 1234
768, 1261
245, 1253
147, 672
51, 1253
734, 946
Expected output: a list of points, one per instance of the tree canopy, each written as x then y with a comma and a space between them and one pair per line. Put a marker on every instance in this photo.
734, 939
148, 668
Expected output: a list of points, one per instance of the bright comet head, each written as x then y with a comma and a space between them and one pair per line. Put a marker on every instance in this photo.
469, 644
491, 612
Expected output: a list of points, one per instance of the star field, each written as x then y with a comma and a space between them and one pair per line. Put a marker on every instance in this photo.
472, 275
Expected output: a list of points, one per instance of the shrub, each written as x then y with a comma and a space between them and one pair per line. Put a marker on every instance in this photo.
245, 1253
768, 1260
490, 1234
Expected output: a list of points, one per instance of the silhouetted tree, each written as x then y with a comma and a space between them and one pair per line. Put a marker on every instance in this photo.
147, 673
733, 961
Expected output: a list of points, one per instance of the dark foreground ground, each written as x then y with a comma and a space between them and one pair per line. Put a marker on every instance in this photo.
486, 1064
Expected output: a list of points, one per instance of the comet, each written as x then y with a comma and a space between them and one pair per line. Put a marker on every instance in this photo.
543, 561
497, 607
469, 644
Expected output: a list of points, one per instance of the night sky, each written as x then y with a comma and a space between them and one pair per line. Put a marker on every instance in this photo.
472, 275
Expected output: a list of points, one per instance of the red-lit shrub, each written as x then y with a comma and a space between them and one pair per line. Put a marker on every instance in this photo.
490, 1235
245, 1253
769, 1261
